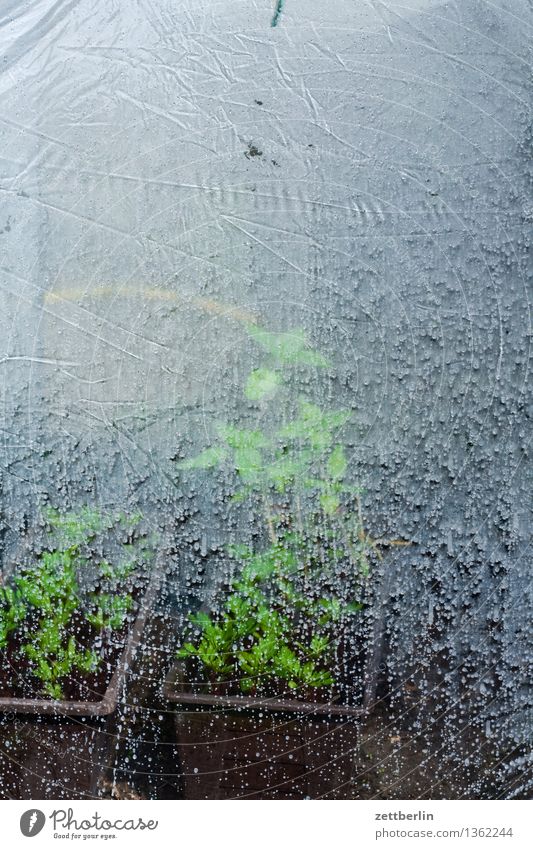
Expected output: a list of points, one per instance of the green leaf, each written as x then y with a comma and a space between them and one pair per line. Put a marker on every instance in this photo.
282, 346
315, 426
187, 650
54, 691
260, 566
319, 645
239, 551
310, 357
354, 490
337, 419
283, 471
260, 383
287, 348
364, 565
241, 495
331, 606
248, 462
337, 463
201, 619
330, 503
207, 459
106, 569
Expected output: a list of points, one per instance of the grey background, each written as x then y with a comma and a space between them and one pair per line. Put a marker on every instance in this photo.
388, 211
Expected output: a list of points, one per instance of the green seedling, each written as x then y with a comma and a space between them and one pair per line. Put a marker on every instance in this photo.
47, 607
280, 621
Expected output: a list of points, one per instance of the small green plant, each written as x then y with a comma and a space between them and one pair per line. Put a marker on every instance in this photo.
47, 606
12, 613
271, 631
281, 621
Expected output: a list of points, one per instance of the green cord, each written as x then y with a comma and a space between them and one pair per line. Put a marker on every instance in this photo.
277, 12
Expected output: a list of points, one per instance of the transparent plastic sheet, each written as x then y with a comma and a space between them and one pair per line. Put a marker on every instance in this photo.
363, 171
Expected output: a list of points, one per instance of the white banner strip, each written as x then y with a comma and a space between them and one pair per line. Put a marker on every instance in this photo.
264, 825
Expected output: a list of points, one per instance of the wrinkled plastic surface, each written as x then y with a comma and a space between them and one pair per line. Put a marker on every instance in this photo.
362, 170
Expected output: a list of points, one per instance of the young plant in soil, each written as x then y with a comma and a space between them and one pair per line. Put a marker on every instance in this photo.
57, 613
281, 623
